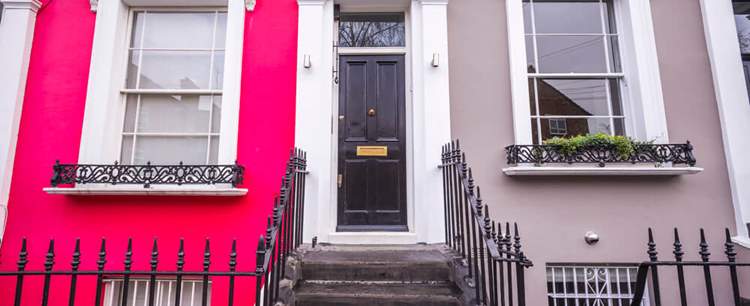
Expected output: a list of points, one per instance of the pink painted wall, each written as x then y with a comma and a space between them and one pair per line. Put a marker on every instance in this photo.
51, 126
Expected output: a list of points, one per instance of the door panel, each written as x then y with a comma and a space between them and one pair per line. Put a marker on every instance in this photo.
372, 187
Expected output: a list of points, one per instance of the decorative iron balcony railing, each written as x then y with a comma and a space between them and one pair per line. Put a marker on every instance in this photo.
147, 174
165, 281
601, 154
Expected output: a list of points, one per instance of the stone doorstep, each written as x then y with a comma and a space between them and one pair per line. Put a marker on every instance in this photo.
407, 273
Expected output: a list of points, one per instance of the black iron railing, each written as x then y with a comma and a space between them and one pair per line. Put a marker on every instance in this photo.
494, 258
601, 154
283, 234
146, 175
680, 266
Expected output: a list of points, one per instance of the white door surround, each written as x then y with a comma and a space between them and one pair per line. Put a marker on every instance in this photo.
733, 104
16, 33
428, 128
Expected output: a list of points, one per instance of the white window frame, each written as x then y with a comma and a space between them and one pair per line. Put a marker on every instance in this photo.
125, 91
105, 107
642, 98
591, 289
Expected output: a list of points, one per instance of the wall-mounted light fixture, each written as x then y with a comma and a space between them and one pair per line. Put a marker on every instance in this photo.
306, 61
435, 60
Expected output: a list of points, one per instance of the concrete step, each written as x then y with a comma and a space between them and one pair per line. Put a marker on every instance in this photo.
376, 263
376, 294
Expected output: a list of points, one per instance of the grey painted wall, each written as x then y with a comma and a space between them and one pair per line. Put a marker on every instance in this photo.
555, 212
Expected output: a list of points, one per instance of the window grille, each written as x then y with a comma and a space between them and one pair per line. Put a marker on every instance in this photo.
165, 292
589, 285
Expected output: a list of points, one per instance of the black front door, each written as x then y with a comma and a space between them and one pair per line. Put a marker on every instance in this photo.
372, 158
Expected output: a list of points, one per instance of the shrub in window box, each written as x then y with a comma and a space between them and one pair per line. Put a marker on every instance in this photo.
600, 149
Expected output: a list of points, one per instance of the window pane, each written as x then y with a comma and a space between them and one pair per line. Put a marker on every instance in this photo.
179, 30
126, 150
175, 70
615, 97
174, 114
131, 107
568, 54
614, 53
134, 60
216, 115
527, 17
573, 97
213, 154
170, 150
137, 36
576, 126
372, 30
530, 65
742, 20
217, 72
532, 96
221, 31
568, 16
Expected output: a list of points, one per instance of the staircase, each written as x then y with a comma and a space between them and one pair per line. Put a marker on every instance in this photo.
372, 275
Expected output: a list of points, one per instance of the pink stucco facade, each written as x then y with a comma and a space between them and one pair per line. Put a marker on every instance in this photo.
50, 130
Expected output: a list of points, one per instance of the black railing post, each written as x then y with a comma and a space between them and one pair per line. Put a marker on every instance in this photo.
678, 253
22, 261
180, 263
152, 277
206, 265
101, 261
75, 263
501, 268
260, 258
652, 255
49, 262
126, 272
232, 269
706, 269
732, 258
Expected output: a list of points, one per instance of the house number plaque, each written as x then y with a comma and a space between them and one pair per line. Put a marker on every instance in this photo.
372, 151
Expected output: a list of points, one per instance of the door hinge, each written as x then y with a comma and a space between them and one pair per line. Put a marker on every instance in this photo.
340, 180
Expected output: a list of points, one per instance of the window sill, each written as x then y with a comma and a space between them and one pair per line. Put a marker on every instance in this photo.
153, 191
599, 171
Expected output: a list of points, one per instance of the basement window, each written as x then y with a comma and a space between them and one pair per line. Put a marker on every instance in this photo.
605, 284
165, 292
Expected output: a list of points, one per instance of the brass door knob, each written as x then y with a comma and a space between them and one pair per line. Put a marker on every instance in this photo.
371, 112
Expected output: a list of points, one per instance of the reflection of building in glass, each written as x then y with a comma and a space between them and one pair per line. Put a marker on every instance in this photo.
554, 102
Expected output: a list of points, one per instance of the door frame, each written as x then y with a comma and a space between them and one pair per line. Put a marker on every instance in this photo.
407, 113
428, 124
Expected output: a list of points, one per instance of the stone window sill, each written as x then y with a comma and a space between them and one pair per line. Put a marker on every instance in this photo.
197, 190
610, 170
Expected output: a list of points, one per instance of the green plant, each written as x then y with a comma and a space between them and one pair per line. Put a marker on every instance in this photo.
624, 146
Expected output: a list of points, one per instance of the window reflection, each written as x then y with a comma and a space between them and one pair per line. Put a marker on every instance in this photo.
742, 21
372, 30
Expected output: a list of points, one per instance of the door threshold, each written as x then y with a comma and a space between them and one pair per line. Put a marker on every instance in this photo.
372, 238
372, 228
